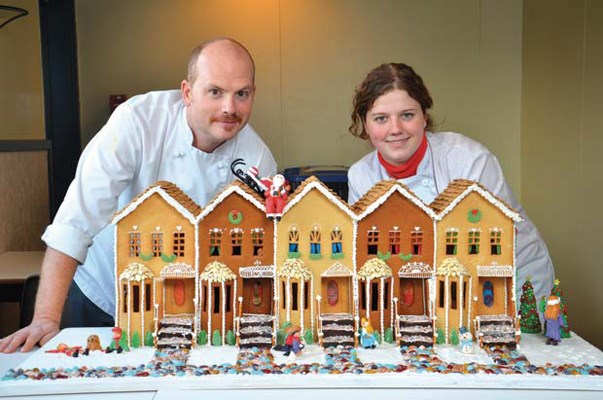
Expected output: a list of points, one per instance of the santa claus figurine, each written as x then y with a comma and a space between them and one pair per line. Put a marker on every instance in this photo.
276, 197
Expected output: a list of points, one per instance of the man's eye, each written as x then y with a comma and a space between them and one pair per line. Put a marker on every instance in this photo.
243, 94
214, 92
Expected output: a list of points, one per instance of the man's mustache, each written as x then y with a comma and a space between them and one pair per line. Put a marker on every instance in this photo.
227, 118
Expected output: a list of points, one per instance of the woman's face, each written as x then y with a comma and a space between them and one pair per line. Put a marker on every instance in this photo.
396, 125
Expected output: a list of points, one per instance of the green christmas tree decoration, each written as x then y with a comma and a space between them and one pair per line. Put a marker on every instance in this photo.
388, 336
441, 338
530, 321
556, 291
148, 339
216, 338
135, 340
454, 337
231, 340
202, 337
308, 336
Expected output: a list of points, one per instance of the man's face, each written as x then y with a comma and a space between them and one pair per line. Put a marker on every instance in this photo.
219, 100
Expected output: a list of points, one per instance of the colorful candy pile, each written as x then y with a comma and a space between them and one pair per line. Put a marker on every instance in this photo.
338, 360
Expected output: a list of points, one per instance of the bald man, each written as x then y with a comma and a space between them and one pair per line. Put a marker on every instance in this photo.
188, 137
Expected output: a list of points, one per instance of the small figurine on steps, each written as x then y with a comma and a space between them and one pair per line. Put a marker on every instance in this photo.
367, 335
554, 320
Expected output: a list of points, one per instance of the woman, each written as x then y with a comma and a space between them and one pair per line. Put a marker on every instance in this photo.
391, 108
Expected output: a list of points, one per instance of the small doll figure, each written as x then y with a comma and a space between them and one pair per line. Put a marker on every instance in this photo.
554, 320
276, 197
367, 337
92, 344
116, 331
293, 342
466, 340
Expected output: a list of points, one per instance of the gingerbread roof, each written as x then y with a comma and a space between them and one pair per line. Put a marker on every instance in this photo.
234, 187
314, 183
458, 189
171, 193
383, 190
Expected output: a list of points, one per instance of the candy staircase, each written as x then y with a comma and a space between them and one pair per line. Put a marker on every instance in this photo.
336, 329
255, 330
496, 329
414, 330
175, 331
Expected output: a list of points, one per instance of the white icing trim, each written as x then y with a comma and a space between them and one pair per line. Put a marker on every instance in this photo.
223, 195
515, 216
155, 190
337, 270
209, 312
223, 312
322, 189
405, 193
116, 283
257, 271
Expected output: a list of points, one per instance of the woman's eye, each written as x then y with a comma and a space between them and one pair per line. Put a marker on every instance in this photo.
407, 115
379, 119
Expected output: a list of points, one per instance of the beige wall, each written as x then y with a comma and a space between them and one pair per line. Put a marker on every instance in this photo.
21, 96
562, 140
310, 54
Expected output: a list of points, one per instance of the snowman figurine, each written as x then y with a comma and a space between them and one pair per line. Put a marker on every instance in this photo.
466, 340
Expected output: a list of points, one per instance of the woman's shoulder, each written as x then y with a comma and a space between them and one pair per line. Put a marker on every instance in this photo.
453, 142
367, 165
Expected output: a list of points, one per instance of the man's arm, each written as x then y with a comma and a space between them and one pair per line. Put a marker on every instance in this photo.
56, 276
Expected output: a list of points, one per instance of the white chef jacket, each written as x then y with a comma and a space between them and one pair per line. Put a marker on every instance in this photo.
147, 139
452, 156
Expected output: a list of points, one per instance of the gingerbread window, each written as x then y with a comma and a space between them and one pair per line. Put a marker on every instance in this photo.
474, 236
215, 242
416, 242
134, 242
179, 243
157, 243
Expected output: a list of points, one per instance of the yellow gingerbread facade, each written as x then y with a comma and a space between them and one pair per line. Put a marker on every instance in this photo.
475, 261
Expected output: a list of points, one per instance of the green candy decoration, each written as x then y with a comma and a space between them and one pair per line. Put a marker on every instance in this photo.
474, 216
235, 217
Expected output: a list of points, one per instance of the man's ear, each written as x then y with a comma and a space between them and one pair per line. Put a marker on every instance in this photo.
185, 90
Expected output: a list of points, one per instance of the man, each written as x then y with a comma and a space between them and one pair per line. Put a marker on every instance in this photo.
188, 137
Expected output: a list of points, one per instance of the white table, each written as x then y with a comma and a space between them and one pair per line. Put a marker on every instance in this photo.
345, 386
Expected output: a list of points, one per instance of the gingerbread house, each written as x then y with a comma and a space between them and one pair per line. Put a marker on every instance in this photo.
395, 259
155, 264
236, 263
475, 264
314, 259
